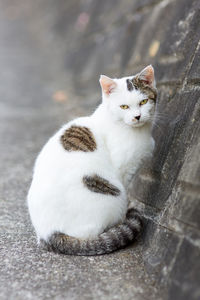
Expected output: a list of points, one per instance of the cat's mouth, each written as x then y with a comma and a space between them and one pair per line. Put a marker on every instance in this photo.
138, 123
134, 123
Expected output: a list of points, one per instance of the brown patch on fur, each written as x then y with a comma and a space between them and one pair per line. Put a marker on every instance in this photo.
100, 185
78, 138
129, 84
145, 88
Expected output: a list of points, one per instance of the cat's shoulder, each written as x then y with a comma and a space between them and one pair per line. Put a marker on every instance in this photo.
79, 134
78, 122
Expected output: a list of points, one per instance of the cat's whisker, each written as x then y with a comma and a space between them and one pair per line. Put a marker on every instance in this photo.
161, 115
156, 123
158, 126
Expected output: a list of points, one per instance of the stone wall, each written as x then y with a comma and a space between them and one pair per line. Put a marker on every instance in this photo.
83, 39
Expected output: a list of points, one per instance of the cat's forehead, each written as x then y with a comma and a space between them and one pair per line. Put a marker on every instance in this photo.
126, 83
126, 87
131, 86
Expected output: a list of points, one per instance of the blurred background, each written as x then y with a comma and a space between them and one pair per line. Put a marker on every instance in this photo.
51, 56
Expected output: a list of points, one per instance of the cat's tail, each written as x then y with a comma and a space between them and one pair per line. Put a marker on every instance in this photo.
115, 238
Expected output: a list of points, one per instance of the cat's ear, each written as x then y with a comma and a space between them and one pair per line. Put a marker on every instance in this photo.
107, 84
147, 76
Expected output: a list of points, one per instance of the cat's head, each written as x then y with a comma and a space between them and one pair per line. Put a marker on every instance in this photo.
131, 99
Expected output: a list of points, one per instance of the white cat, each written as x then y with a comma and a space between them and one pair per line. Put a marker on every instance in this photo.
77, 200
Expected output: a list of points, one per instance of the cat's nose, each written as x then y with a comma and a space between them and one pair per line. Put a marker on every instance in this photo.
137, 117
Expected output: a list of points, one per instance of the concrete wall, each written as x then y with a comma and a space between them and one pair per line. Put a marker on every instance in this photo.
83, 39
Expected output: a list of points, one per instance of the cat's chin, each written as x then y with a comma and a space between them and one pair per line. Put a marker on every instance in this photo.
138, 124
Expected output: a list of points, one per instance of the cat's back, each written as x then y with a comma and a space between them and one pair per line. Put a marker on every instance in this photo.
63, 191
77, 147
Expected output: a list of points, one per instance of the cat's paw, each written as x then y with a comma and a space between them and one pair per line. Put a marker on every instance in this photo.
134, 219
131, 213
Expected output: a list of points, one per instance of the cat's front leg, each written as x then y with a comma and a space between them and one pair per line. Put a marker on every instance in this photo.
127, 175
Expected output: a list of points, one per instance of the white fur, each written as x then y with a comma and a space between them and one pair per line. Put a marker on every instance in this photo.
58, 200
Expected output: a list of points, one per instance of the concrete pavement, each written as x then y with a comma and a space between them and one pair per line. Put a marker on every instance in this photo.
31, 110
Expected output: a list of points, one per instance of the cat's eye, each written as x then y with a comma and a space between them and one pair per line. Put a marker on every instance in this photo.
143, 101
124, 106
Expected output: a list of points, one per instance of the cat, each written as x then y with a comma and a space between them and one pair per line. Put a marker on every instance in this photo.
77, 200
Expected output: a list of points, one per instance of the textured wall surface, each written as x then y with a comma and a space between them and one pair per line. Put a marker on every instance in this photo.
51, 56
121, 38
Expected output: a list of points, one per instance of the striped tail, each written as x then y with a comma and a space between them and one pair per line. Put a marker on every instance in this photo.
115, 238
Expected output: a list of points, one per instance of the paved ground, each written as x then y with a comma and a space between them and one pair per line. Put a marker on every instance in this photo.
29, 114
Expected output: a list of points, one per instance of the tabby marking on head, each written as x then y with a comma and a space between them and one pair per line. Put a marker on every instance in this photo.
129, 85
150, 91
100, 185
77, 138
